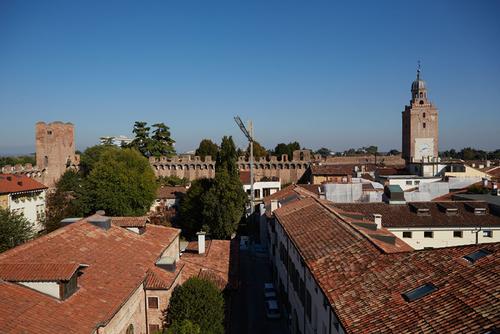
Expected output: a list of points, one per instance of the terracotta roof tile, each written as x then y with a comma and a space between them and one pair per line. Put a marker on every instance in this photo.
118, 262
37, 272
406, 215
364, 285
12, 183
130, 221
332, 169
168, 192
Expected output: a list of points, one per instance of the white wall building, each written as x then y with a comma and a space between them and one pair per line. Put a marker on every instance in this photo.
23, 195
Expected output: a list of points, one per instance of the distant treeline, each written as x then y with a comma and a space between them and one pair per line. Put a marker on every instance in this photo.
470, 153
22, 159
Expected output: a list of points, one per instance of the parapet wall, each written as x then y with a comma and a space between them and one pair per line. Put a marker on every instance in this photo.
288, 171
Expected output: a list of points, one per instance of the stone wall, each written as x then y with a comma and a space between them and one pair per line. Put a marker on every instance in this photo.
288, 171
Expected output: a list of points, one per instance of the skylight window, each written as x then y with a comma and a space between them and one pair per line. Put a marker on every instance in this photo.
419, 292
473, 257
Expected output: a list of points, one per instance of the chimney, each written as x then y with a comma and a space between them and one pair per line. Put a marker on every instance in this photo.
201, 242
274, 204
378, 220
100, 220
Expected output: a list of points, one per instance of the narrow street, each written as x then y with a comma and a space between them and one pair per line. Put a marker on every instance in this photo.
248, 306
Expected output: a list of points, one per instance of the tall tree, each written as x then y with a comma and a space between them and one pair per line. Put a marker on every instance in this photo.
141, 142
161, 144
287, 149
324, 152
227, 157
200, 302
92, 155
14, 229
207, 147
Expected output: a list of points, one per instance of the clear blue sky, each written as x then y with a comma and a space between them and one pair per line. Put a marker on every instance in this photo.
322, 73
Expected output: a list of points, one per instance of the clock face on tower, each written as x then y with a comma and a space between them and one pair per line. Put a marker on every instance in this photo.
424, 147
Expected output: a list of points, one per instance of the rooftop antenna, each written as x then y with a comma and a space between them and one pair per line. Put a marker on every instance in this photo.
249, 135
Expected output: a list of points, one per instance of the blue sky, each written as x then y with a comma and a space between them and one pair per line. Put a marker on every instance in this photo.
320, 72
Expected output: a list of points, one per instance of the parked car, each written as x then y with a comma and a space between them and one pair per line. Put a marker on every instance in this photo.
244, 243
272, 309
269, 291
260, 251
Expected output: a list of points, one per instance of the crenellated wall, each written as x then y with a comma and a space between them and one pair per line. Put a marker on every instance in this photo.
288, 171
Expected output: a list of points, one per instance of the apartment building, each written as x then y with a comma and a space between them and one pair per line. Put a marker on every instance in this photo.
335, 275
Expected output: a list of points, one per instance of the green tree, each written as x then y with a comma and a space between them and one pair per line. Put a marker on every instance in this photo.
65, 201
207, 147
22, 160
14, 229
161, 144
371, 150
324, 152
141, 142
172, 181
122, 183
227, 157
183, 327
393, 152
287, 149
259, 151
92, 155
199, 301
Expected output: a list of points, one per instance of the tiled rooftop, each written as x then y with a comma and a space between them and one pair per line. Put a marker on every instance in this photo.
130, 221
37, 272
118, 262
332, 169
169, 192
406, 215
364, 284
13, 183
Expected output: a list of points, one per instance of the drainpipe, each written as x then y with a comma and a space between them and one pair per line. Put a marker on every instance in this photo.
146, 308
477, 230
305, 299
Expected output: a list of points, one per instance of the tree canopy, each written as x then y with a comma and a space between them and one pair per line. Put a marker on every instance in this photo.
259, 151
324, 152
215, 205
122, 183
14, 229
469, 153
200, 302
207, 147
287, 149
160, 144
183, 327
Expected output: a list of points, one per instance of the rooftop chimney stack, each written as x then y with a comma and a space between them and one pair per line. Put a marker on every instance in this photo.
201, 242
274, 205
378, 220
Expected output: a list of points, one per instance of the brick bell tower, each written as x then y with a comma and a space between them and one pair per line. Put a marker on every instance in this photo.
420, 126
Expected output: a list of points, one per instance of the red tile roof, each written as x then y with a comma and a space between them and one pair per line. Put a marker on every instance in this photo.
364, 285
118, 262
406, 215
219, 262
245, 177
332, 169
37, 272
13, 183
130, 221
167, 192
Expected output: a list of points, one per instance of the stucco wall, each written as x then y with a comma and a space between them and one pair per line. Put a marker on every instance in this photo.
27, 205
443, 237
133, 312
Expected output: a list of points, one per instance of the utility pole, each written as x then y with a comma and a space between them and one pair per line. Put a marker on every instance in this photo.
249, 135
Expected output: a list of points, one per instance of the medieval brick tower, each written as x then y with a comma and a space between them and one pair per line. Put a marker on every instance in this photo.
420, 126
55, 150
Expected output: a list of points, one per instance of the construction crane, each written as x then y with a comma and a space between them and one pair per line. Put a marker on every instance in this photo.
249, 135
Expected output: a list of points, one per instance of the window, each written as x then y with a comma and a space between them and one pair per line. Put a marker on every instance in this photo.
488, 234
419, 292
49, 132
407, 235
423, 125
409, 183
417, 183
152, 302
457, 234
154, 329
423, 115
473, 257
130, 329
421, 101
428, 234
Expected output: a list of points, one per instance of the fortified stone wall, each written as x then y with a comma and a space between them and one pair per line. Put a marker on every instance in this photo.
55, 154
288, 171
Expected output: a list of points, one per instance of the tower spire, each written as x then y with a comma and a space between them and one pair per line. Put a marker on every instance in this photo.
418, 69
